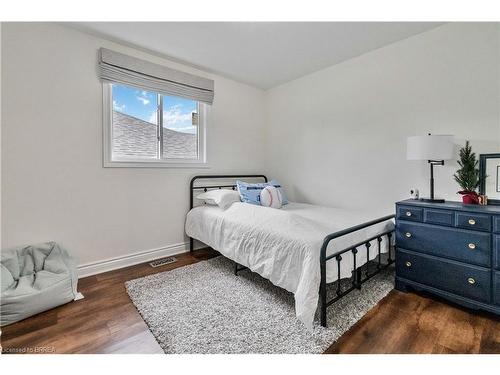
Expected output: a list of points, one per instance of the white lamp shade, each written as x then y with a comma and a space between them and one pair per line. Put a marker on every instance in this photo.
430, 147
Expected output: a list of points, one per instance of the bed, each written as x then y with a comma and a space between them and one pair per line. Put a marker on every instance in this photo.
299, 247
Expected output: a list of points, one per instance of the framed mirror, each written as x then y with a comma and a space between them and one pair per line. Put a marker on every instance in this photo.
489, 177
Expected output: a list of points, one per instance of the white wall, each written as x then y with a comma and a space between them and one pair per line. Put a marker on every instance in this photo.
53, 183
338, 136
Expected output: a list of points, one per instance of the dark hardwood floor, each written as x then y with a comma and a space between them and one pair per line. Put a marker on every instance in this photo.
106, 321
417, 323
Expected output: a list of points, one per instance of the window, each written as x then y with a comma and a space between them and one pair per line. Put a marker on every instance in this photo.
153, 116
145, 128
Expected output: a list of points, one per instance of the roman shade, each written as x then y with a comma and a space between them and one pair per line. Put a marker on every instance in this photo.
128, 70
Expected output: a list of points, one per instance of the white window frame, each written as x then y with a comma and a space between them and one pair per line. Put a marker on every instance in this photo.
110, 162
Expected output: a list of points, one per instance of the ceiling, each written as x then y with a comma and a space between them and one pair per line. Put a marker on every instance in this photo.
262, 54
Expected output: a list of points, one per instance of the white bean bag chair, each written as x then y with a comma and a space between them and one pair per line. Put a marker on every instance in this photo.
34, 279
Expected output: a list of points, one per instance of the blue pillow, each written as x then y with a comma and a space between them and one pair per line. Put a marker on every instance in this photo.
250, 193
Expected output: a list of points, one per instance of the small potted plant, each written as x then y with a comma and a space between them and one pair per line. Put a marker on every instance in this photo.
468, 175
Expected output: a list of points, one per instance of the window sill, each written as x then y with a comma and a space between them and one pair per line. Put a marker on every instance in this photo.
153, 164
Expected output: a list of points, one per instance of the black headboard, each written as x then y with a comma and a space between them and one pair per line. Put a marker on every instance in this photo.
193, 187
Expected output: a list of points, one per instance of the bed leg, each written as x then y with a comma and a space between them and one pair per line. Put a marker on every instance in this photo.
358, 278
238, 269
322, 294
323, 310
191, 244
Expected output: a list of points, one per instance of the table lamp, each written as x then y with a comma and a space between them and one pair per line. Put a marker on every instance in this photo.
433, 148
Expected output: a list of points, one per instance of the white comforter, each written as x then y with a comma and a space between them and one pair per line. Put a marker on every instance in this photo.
283, 245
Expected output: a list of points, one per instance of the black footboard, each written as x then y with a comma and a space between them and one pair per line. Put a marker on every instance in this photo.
358, 277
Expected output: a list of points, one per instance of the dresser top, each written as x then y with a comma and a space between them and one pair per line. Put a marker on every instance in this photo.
450, 205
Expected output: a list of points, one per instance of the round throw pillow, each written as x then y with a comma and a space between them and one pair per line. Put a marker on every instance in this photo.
271, 197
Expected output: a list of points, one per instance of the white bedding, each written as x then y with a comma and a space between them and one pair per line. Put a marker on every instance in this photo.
283, 245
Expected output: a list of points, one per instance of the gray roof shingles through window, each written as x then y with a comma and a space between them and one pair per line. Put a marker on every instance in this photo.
133, 137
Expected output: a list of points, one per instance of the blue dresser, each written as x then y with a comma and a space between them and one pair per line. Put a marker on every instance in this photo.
451, 250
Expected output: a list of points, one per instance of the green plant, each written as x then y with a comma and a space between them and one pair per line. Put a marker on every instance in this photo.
468, 174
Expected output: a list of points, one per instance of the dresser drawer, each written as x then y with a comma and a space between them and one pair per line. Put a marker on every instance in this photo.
467, 281
473, 221
410, 213
441, 217
496, 288
463, 245
496, 224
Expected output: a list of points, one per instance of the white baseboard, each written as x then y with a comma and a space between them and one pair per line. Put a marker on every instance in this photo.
90, 269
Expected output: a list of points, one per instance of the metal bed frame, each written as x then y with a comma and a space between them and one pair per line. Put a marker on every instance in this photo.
358, 276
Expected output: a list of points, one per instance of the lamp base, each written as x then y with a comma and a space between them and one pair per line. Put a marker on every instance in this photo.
432, 200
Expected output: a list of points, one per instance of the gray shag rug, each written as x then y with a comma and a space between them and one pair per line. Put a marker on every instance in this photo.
205, 308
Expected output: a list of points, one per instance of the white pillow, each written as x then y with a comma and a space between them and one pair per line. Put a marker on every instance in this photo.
220, 197
271, 197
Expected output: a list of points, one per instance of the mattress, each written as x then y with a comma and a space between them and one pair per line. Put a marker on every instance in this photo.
283, 245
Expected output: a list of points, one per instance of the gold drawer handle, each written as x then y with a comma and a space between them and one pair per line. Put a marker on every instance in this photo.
471, 280
472, 246
408, 264
408, 213
408, 234
472, 221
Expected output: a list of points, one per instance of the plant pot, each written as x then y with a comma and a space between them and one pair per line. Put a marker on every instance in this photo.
469, 197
